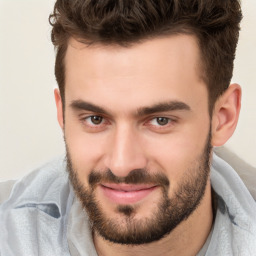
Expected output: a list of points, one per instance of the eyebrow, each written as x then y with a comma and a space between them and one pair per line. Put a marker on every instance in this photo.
163, 107
143, 111
84, 105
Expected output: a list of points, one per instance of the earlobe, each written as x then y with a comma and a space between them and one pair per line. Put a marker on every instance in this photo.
225, 115
59, 107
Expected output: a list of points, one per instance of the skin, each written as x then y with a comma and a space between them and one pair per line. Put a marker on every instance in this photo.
122, 82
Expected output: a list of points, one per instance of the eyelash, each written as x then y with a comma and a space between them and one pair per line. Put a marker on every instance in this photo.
156, 119
148, 122
87, 119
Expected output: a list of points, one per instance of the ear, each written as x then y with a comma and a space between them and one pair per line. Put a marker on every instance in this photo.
225, 115
59, 107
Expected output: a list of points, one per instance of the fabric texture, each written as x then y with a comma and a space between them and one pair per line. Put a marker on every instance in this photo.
6, 189
42, 216
33, 219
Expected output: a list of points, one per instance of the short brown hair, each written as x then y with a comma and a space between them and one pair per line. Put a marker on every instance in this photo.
215, 23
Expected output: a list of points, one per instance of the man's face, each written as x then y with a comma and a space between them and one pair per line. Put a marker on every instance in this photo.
137, 133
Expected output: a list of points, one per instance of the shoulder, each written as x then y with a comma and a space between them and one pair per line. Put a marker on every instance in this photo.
233, 182
39, 201
5, 189
37, 184
246, 172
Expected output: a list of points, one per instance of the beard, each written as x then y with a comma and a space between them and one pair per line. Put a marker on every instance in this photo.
167, 214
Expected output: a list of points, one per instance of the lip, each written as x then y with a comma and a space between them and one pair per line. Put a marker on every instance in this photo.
126, 193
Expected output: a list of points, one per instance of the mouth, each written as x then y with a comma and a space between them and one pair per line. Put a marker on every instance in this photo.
127, 193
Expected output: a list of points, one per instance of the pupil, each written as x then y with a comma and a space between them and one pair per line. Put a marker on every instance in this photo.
162, 120
96, 119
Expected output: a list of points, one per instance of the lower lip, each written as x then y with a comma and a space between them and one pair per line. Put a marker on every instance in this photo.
126, 197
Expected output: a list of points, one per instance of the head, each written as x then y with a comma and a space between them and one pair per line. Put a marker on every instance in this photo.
143, 96
215, 24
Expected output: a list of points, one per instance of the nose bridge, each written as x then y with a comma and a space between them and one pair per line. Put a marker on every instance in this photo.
126, 152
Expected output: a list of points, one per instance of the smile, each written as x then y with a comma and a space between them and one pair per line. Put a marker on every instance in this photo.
126, 193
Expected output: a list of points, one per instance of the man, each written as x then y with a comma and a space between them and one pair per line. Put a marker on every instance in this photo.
143, 98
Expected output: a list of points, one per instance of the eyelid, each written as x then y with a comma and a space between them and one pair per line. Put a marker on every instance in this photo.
84, 119
88, 114
172, 120
171, 123
156, 120
156, 117
167, 116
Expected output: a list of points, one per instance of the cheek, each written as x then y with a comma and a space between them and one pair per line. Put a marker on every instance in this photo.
85, 150
177, 153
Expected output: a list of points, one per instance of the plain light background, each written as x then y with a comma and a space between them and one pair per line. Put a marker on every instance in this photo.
29, 132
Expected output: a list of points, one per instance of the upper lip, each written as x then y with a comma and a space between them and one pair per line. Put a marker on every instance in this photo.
128, 187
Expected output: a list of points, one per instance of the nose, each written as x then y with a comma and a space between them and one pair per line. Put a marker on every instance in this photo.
125, 152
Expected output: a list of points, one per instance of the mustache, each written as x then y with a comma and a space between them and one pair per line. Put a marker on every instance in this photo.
136, 176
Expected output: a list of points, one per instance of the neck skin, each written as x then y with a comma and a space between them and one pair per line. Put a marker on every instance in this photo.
185, 240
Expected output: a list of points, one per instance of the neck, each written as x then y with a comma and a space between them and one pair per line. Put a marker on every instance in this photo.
185, 240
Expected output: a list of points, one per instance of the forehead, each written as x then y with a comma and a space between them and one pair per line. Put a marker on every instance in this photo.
146, 54
163, 68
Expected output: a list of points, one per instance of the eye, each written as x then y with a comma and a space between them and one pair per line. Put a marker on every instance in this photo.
93, 121
161, 124
96, 120
160, 121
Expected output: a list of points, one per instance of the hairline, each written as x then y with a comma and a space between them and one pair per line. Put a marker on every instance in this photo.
200, 67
